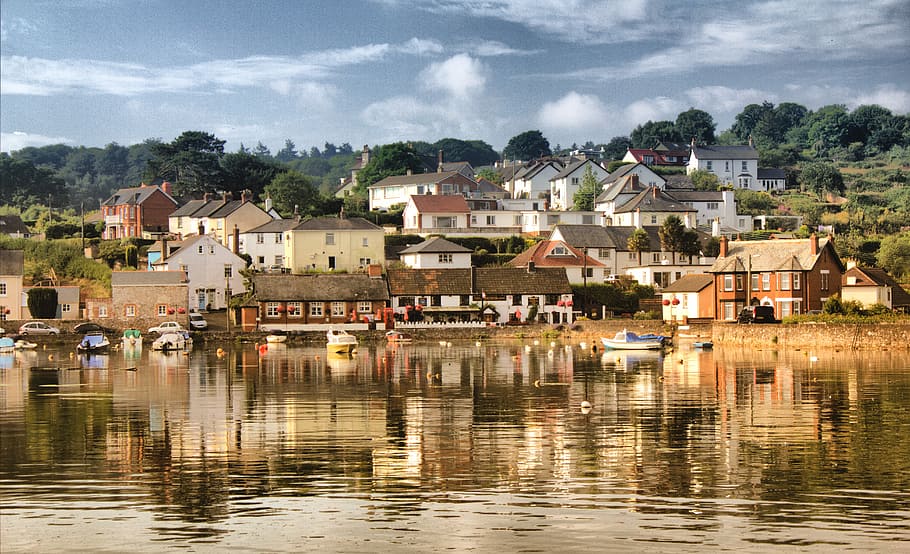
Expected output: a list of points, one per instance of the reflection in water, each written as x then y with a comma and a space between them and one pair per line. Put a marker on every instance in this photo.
720, 448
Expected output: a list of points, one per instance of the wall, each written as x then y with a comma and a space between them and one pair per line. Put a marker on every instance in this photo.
878, 336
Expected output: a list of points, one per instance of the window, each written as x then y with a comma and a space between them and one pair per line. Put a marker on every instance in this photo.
161, 310
337, 309
102, 311
260, 260
200, 249
330, 239
739, 282
712, 205
464, 300
765, 281
444, 222
271, 309
279, 259
589, 272
745, 167
295, 309
2, 288
653, 220
729, 310
473, 219
129, 310
587, 219
575, 181
633, 256
491, 220
365, 262
784, 281
66, 308
316, 309
796, 281
604, 253
824, 279
421, 189
445, 258
559, 251
228, 271
405, 301
260, 238
726, 166
278, 238
364, 307
728, 282
365, 242
655, 257
211, 249
709, 166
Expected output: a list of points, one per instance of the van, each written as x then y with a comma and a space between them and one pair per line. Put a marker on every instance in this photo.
757, 314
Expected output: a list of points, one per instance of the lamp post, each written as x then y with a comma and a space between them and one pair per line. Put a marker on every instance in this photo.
227, 303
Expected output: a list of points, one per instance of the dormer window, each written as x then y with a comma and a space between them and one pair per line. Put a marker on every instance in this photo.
559, 251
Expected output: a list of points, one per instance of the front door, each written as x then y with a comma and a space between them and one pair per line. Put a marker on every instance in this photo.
201, 300
331, 263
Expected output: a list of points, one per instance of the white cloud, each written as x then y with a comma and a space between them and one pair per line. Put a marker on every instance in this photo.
489, 48
574, 112
888, 96
719, 99
460, 76
17, 140
653, 109
421, 47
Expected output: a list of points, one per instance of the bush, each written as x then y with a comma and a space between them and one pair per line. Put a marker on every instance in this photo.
42, 302
641, 315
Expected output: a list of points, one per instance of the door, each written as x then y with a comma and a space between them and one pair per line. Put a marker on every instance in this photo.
331, 263
201, 301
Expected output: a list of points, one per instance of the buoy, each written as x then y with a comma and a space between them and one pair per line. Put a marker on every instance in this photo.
813, 358
220, 351
586, 407
72, 355
442, 343
552, 344
536, 342
477, 343
583, 345
527, 348
537, 383
50, 357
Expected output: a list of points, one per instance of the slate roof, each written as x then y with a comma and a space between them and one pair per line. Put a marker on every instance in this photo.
543, 256
569, 169
12, 262
274, 226
693, 282
617, 237
189, 208
12, 224
771, 173
491, 280
134, 196
875, 277
484, 185
771, 255
336, 224
445, 203
623, 185
653, 200
457, 167
678, 182
725, 152
435, 245
147, 278
416, 179
326, 287
697, 195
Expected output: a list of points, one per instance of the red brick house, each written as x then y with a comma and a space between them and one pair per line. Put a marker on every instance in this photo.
130, 212
793, 275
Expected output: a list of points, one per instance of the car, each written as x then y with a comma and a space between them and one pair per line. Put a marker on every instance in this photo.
92, 327
197, 322
2, 331
165, 327
756, 314
38, 328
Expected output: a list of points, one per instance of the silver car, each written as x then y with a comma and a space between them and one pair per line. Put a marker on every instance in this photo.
38, 328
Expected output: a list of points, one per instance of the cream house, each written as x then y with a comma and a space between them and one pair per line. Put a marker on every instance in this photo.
566, 183
212, 272
217, 218
333, 244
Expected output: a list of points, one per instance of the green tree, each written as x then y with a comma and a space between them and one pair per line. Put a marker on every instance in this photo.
24, 185
527, 146
490, 175
711, 248
388, 160
702, 179
827, 128
476, 152
821, 178
292, 190
617, 147
672, 235
639, 241
288, 153
745, 121
696, 124
245, 171
647, 135
191, 162
894, 255
262, 151
590, 188
753, 202
42, 302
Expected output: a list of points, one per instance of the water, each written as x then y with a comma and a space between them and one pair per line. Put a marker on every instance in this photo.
425, 447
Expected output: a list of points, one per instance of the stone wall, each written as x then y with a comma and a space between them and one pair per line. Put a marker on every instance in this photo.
878, 336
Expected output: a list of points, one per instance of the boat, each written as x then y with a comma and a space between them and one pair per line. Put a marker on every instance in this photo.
172, 340
703, 344
132, 337
339, 341
94, 341
397, 337
7, 344
276, 337
23, 344
627, 340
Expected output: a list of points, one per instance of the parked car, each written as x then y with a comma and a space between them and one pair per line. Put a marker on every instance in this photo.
38, 328
197, 322
91, 327
166, 326
757, 314
2, 331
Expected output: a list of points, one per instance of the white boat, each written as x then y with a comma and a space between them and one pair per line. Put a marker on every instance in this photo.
173, 340
398, 337
276, 337
23, 344
339, 341
627, 340
94, 341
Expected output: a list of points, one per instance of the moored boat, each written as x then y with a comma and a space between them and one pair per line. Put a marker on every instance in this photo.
173, 340
94, 341
276, 337
397, 337
23, 344
703, 344
132, 337
627, 340
339, 341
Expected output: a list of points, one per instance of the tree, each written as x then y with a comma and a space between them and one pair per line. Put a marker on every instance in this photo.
702, 179
191, 162
42, 302
696, 124
527, 146
647, 135
329, 150
639, 241
672, 235
490, 175
246, 171
288, 153
293, 192
828, 128
821, 178
262, 151
476, 152
894, 255
388, 160
590, 188
617, 147
746, 120
24, 185
753, 202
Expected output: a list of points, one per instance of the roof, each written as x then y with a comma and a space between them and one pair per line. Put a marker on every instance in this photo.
697, 195
490, 280
725, 152
876, 277
12, 224
653, 200
189, 208
319, 287
544, 254
135, 195
416, 179
659, 157
678, 182
12, 262
771, 173
435, 245
484, 185
147, 278
274, 226
336, 224
771, 255
457, 166
616, 237
693, 282
570, 169
446, 203
623, 185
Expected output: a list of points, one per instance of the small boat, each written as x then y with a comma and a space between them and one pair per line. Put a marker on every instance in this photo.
276, 337
132, 337
627, 340
397, 337
173, 340
23, 344
703, 344
94, 341
7, 344
339, 341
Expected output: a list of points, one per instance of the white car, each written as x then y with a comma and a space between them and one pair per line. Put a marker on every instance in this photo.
197, 322
38, 328
166, 326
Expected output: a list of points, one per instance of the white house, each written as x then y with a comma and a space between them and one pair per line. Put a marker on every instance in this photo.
533, 181
736, 166
772, 179
436, 252
265, 244
652, 207
566, 183
713, 206
394, 191
213, 271
646, 177
427, 214
580, 268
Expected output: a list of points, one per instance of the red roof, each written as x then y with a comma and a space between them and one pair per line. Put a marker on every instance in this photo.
448, 203
543, 255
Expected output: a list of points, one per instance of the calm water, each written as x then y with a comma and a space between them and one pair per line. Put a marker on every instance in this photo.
484, 448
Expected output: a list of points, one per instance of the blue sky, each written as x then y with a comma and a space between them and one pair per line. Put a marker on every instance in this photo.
90, 72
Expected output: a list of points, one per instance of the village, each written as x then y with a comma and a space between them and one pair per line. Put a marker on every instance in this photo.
272, 271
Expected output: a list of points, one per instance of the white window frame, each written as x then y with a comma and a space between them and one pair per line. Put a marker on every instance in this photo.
338, 309
330, 239
445, 258
317, 309
364, 307
728, 282
271, 309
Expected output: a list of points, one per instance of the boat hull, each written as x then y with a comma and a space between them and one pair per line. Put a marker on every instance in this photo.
638, 345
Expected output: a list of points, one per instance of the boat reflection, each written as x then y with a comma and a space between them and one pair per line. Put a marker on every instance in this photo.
632, 361
94, 361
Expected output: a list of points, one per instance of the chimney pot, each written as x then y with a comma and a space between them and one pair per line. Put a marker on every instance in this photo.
723, 247
813, 244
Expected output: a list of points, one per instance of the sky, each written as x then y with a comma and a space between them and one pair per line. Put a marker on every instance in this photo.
92, 72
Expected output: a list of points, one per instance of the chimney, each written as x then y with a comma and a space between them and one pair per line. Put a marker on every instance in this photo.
227, 196
751, 142
692, 143
374, 271
297, 213
365, 155
813, 244
723, 247
410, 172
166, 187
236, 247
163, 249
531, 266
654, 192
439, 164
633, 181
715, 227
268, 203
207, 197
201, 229
246, 196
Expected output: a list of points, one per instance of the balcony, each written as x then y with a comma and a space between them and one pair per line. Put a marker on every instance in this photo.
113, 219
